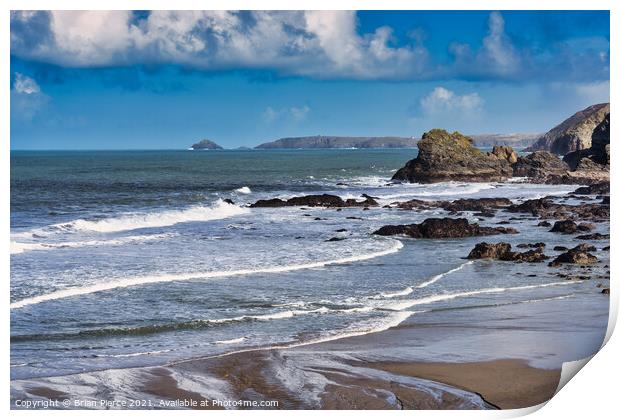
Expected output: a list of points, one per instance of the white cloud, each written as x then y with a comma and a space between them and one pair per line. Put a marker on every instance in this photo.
497, 55
26, 85
311, 43
295, 114
26, 97
444, 101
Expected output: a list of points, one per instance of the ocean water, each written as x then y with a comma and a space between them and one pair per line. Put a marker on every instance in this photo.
126, 259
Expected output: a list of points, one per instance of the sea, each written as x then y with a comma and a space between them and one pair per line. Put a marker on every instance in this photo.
125, 259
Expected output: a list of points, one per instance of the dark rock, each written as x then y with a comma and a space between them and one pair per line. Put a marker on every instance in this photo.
574, 257
593, 237
544, 224
341, 230
536, 245
272, 202
539, 166
444, 157
434, 228
564, 226
228, 200
560, 248
599, 188
322, 200
487, 250
353, 218
476, 204
606, 248
605, 291
585, 227
502, 251
584, 248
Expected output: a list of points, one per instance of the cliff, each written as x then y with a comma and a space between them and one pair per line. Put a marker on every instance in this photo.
574, 133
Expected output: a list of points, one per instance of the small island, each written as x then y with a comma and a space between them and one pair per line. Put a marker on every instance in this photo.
206, 144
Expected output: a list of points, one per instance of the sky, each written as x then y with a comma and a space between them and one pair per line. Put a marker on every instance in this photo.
165, 79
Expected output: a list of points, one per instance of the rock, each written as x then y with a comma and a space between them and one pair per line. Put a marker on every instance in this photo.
599, 188
475, 204
206, 145
605, 291
486, 250
560, 248
505, 153
444, 157
536, 245
532, 256
584, 248
574, 133
585, 227
544, 224
434, 228
322, 200
600, 142
539, 166
417, 205
341, 230
574, 256
545, 207
228, 200
564, 226
502, 251
606, 248
593, 237
596, 157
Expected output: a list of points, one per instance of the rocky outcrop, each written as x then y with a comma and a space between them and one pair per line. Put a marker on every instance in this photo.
322, 200
206, 145
435, 228
596, 157
502, 251
464, 204
486, 250
578, 255
602, 188
574, 133
452, 157
539, 166
547, 208
505, 153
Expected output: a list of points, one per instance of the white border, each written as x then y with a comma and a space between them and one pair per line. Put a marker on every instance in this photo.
594, 391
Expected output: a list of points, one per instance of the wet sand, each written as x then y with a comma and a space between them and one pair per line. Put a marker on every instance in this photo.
503, 383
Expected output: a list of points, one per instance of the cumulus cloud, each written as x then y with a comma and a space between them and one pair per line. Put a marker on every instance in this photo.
497, 55
294, 114
27, 99
311, 43
443, 101
317, 44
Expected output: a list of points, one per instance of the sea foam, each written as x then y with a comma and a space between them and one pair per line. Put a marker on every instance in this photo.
136, 281
220, 210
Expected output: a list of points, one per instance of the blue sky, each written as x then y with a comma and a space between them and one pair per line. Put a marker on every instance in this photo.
163, 80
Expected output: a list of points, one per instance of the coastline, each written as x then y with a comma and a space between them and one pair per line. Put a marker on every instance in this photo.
397, 368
